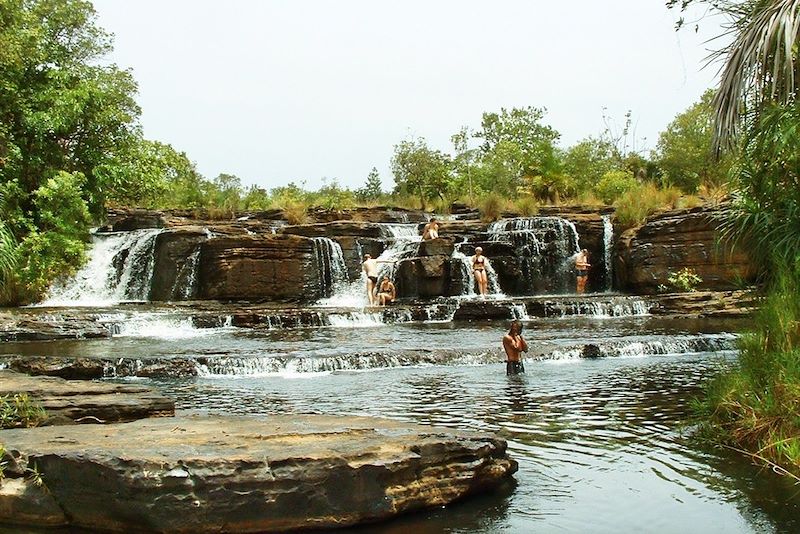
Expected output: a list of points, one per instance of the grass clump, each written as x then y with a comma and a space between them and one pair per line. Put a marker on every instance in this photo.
295, 212
491, 207
526, 206
755, 406
19, 411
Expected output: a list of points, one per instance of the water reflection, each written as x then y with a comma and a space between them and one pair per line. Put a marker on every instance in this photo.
599, 443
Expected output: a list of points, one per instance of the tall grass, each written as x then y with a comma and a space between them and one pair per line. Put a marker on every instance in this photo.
491, 207
756, 405
635, 205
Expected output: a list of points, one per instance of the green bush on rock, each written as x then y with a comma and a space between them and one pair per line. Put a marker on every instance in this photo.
19, 411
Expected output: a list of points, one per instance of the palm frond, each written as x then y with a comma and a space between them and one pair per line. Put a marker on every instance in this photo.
760, 65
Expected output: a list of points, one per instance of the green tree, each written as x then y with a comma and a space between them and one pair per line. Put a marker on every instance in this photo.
588, 160
62, 109
372, 189
685, 149
422, 171
519, 151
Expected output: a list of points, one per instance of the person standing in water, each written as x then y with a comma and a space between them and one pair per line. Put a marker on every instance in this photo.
582, 267
479, 262
431, 230
370, 268
387, 292
514, 345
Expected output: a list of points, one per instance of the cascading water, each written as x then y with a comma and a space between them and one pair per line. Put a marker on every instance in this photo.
608, 244
545, 248
120, 267
403, 241
186, 279
330, 265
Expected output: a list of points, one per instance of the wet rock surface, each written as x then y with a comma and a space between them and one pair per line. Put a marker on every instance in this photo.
78, 401
238, 474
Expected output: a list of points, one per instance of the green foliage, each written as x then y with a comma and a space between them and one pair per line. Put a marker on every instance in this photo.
614, 184
518, 151
295, 212
685, 153
588, 161
19, 411
372, 189
420, 170
638, 203
756, 405
526, 206
685, 280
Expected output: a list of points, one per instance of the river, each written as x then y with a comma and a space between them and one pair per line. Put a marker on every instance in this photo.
602, 444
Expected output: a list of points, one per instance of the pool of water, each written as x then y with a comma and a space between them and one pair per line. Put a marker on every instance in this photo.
602, 444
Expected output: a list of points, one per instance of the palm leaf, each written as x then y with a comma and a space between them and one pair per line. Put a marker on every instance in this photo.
760, 65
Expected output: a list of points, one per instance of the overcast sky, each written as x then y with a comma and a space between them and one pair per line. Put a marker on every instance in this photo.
301, 90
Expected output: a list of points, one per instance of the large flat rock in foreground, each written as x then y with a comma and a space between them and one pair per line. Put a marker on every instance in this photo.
242, 474
68, 401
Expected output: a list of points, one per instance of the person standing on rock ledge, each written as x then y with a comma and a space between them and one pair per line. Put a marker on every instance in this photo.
479, 262
431, 230
514, 345
582, 266
370, 268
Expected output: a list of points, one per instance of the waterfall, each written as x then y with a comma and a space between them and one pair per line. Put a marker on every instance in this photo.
403, 241
545, 248
119, 267
330, 264
608, 244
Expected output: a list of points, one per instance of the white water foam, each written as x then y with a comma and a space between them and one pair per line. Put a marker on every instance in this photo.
120, 267
157, 326
608, 244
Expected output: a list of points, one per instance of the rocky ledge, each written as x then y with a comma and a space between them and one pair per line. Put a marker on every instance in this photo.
237, 474
78, 401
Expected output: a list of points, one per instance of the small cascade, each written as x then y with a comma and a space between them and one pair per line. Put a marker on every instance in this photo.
330, 265
519, 312
120, 267
465, 268
608, 307
643, 348
289, 366
545, 247
608, 245
158, 325
355, 320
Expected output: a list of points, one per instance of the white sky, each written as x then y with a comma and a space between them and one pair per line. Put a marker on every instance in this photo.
300, 90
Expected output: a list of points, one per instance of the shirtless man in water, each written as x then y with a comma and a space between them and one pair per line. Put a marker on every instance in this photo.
387, 292
514, 345
431, 230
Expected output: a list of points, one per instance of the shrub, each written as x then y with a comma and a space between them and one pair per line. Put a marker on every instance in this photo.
684, 280
19, 411
614, 184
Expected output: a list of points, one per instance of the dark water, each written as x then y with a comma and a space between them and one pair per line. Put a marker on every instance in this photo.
602, 444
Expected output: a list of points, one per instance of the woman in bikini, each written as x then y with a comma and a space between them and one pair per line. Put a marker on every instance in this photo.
479, 271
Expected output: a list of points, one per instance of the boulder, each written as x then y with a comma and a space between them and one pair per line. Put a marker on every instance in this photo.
480, 310
425, 277
668, 242
240, 474
43, 328
437, 247
270, 267
67, 401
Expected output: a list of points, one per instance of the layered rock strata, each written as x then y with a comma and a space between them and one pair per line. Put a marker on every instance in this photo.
229, 474
671, 241
68, 401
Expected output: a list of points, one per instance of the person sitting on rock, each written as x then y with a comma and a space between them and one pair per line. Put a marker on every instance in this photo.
582, 266
431, 230
370, 268
514, 345
387, 292
479, 264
